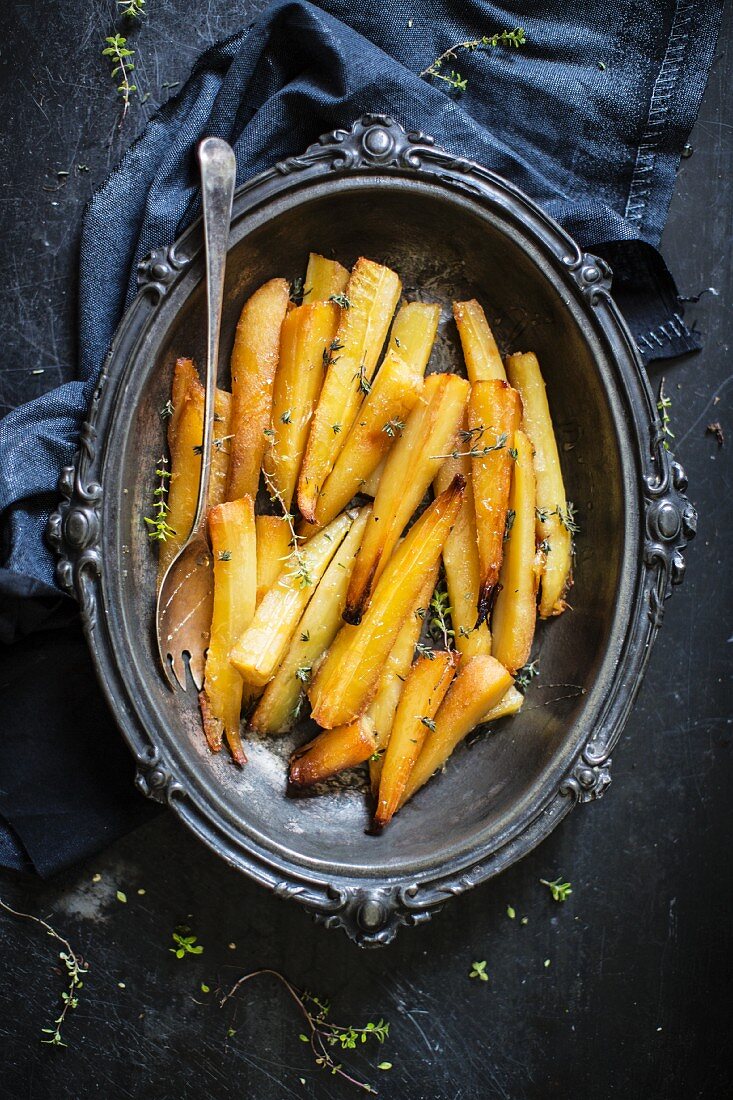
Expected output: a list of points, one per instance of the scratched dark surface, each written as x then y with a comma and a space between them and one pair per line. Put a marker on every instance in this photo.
635, 999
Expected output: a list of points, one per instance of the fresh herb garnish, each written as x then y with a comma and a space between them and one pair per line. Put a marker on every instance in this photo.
478, 970
160, 529
393, 427
224, 555
340, 300
321, 1033
560, 890
454, 80
184, 944
478, 452
121, 56
525, 675
73, 964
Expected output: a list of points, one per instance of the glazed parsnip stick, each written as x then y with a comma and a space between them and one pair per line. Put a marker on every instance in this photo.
461, 564
349, 676
305, 338
494, 413
424, 690
263, 644
185, 436
331, 752
253, 365
411, 466
552, 505
380, 422
480, 352
515, 610
273, 550
279, 707
478, 687
233, 545
324, 279
372, 294
384, 704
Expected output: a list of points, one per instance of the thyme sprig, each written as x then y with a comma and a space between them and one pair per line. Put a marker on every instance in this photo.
322, 1034
121, 56
364, 384
440, 610
160, 529
340, 300
525, 675
302, 571
132, 9
394, 427
299, 291
560, 890
664, 404
454, 80
75, 967
185, 944
478, 452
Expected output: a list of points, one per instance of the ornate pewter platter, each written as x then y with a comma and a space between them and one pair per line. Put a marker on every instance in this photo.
453, 230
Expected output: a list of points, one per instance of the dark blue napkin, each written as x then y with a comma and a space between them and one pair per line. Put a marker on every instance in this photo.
589, 117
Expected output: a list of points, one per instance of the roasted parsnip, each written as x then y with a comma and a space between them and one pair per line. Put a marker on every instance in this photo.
413, 333
480, 684
185, 436
372, 294
552, 505
253, 365
324, 279
380, 422
262, 646
480, 352
515, 609
509, 704
370, 486
460, 560
273, 550
349, 676
280, 705
411, 466
494, 413
424, 690
384, 704
233, 539
332, 751
305, 337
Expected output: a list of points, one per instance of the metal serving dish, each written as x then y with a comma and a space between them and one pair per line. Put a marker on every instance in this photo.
452, 229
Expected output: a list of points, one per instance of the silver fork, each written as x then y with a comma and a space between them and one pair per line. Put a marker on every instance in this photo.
186, 594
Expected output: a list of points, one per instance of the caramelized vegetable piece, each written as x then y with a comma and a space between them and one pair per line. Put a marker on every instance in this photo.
324, 278
424, 690
349, 676
380, 422
494, 412
370, 486
480, 352
305, 339
262, 646
281, 703
411, 465
413, 333
185, 436
508, 705
384, 704
460, 560
332, 751
478, 687
515, 610
233, 544
254, 361
372, 294
525, 376
273, 550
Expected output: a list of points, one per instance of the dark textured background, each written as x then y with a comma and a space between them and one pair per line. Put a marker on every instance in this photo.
636, 999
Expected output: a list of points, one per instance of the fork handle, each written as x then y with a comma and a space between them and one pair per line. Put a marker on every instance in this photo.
218, 175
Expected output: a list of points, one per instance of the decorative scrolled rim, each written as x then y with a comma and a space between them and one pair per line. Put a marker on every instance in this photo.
370, 913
